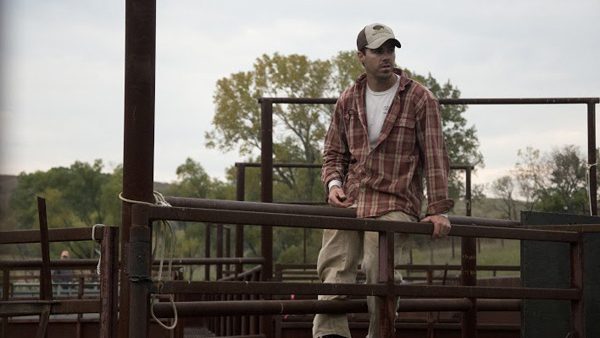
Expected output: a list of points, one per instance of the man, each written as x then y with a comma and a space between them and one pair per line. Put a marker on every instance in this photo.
63, 277
385, 137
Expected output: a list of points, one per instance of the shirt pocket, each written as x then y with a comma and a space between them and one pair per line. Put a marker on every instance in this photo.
354, 134
402, 138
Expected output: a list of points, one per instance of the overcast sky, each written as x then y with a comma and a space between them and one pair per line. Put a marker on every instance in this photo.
63, 61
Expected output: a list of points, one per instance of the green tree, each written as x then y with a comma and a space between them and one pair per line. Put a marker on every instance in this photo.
193, 181
77, 187
553, 182
76, 196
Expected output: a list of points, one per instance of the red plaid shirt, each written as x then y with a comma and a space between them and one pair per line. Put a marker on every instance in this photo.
410, 147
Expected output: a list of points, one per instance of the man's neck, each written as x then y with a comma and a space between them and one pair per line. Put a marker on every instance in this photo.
381, 85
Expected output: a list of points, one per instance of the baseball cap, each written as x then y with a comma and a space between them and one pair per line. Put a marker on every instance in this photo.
374, 35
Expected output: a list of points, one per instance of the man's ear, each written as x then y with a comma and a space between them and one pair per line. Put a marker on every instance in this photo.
360, 55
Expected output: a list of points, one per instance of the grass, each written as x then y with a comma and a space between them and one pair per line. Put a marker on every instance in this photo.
489, 252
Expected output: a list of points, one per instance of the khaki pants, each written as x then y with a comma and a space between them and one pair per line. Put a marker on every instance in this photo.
338, 259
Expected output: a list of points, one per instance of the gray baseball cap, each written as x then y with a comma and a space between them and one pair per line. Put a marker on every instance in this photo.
375, 35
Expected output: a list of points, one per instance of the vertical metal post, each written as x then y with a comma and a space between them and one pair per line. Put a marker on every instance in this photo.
593, 187
138, 142
207, 251
140, 263
5, 291
468, 198
109, 267
239, 229
577, 305
219, 250
469, 267
266, 182
469, 278
45, 274
266, 194
78, 328
228, 247
386, 275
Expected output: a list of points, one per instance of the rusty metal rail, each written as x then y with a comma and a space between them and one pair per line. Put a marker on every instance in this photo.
303, 216
276, 307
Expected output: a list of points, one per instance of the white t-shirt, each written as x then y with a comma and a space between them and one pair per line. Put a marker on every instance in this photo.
378, 104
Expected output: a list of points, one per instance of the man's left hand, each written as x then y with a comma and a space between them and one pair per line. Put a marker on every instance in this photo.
441, 225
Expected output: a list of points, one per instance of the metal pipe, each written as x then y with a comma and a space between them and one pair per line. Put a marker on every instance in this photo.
266, 182
314, 210
592, 160
386, 276
442, 291
310, 221
469, 279
240, 193
29, 264
467, 101
54, 235
578, 317
138, 142
266, 196
207, 254
139, 279
219, 254
280, 307
45, 274
63, 306
109, 272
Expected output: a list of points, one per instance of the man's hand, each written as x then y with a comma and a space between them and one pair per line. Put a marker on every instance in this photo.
441, 225
337, 198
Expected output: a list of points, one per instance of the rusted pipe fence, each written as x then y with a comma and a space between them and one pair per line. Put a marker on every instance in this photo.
468, 245
300, 216
106, 305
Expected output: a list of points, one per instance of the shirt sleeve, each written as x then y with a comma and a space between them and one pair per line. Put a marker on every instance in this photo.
435, 157
336, 155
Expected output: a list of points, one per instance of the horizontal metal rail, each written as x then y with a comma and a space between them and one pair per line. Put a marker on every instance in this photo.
91, 262
273, 307
284, 208
465, 101
35, 307
318, 165
54, 235
294, 268
443, 291
319, 222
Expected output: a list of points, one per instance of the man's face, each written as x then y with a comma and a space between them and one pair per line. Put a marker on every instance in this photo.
379, 62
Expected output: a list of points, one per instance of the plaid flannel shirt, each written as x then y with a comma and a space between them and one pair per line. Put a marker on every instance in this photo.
410, 147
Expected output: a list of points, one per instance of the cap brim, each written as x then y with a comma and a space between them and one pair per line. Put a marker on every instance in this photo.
380, 41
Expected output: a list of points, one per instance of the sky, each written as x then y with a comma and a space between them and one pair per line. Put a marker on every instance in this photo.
62, 70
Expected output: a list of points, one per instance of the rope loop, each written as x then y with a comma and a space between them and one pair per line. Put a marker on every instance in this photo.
95, 240
164, 234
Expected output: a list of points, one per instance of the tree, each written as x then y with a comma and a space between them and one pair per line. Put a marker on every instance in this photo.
193, 181
554, 182
76, 196
503, 187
